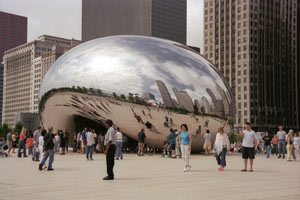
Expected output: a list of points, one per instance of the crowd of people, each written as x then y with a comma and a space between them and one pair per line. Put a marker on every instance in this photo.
43, 144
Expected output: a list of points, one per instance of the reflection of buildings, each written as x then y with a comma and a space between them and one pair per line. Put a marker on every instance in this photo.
218, 104
184, 100
163, 19
165, 94
24, 69
198, 105
205, 107
149, 96
224, 98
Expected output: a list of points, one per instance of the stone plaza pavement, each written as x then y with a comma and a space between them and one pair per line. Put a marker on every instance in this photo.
148, 178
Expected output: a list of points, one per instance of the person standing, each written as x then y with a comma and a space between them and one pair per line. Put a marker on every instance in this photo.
185, 140
119, 144
83, 138
267, 140
296, 144
49, 144
172, 138
141, 142
36, 137
29, 143
90, 141
281, 134
249, 146
57, 142
9, 140
22, 144
198, 131
14, 142
207, 142
221, 146
62, 138
41, 144
79, 141
275, 144
290, 146
110, 149
67, 140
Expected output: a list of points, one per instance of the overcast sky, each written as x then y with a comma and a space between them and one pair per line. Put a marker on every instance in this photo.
62, 18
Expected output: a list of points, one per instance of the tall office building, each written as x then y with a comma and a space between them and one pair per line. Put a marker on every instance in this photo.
13, 32
184, 100
165, 95
24, 68
253, 44
158, 18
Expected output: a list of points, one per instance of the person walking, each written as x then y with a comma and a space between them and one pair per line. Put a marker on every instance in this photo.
290, 146
110, 149
172, 138
41, 146
90, 141
267, 140
185, 140
9, 140
79, 141
119, 144
281, 134
29, 144
275, 145
62, 139
141, 142
49, 144
36, 136
221, 146
67, 140
57, 142
249, 146
296, 144
22, 144
207, 142
14, 142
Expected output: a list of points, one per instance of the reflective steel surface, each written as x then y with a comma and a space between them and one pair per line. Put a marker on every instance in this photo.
134, 70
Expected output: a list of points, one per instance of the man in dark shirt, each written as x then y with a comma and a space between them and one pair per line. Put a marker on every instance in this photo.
267, 140
49, 143
172, 138
141, 141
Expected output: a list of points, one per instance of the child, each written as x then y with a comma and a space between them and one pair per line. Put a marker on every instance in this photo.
29, 143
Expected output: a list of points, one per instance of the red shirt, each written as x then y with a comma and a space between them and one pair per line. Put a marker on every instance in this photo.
275, 140
29, 142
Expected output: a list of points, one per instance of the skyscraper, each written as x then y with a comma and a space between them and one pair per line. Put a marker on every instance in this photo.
24, 69
163, 19
184, 100
253, 44
13, 32
165, 95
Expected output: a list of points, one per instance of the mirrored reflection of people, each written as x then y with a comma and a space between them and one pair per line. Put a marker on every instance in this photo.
141, 142
290, 146
207, 142
281, 134
172, 138
198, 131
249, 146
274, 144
178, 151
110, 149
221, 146
186, 146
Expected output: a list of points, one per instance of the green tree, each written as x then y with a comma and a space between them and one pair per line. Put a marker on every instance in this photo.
123, 97
18, 127
4, 130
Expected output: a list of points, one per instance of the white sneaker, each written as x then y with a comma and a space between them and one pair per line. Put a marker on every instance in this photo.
189, 167
185, 169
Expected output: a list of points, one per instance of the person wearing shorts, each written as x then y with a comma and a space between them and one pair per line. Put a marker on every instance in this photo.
172, 138
141, 141
207, 142
249, 146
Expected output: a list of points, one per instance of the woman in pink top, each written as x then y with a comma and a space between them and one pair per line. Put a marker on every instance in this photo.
22, 143
221, 146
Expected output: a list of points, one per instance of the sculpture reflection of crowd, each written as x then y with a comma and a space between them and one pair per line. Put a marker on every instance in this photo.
42, 145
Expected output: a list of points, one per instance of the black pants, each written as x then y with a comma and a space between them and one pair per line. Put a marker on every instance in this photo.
110, 160
221, 158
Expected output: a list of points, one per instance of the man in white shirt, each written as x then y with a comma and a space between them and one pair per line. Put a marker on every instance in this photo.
249, 146
110, 149
281, 135
119, 144
90, 141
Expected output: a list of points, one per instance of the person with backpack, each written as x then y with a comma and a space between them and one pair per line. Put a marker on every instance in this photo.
49, 144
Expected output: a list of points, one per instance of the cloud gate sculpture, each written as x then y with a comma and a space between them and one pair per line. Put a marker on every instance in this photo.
138, 82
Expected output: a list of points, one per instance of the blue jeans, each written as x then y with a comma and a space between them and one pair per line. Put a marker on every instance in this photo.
221, 158
48, 153
119, 152
57, 144
22, 146
281, 147
89, 151
268, 150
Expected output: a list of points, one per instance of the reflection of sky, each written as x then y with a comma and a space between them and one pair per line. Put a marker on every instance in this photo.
124, 64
